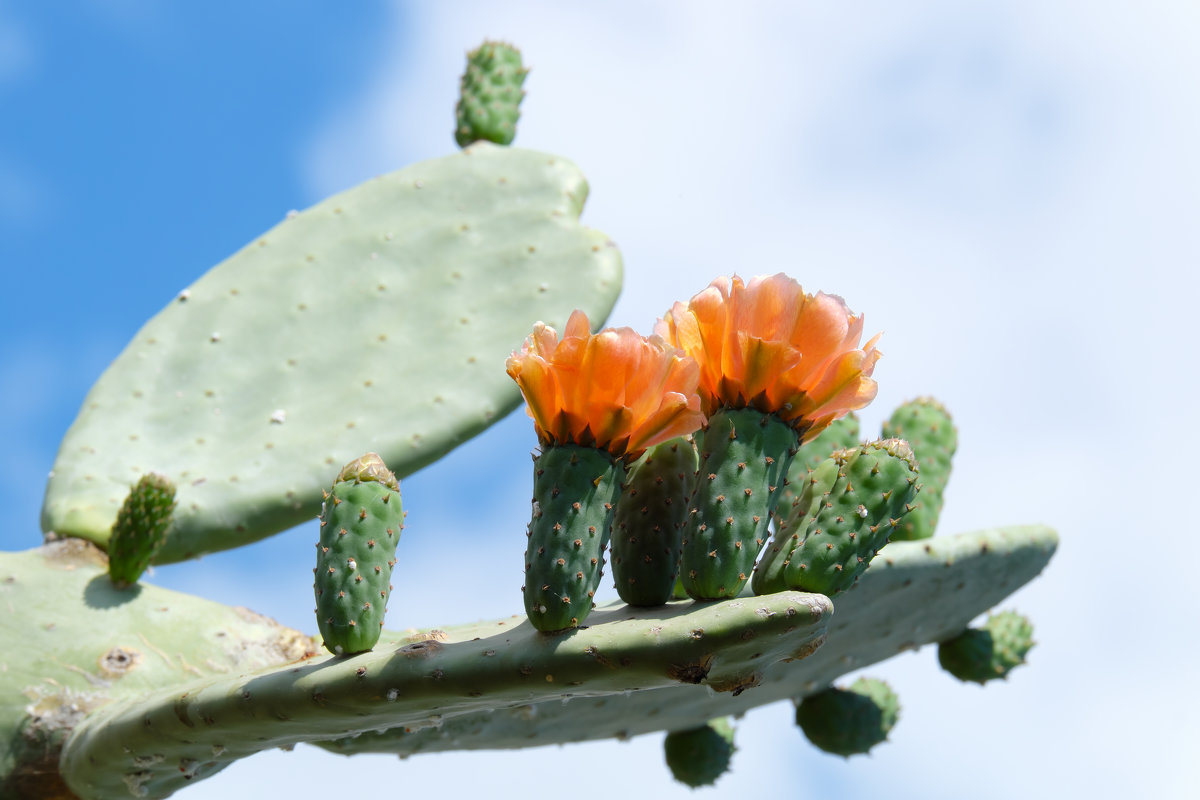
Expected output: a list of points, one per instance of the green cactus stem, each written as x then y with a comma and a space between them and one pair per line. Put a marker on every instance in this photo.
744, 459
648, 525
575, 491
875, 486
361, 522
698, 756
848, 722
926, 425
790, 528
984, 654
140, 529
490, 95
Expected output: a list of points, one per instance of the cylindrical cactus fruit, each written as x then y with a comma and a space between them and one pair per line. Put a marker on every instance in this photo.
984, 654
850, 721
649, 518
841, 434
698, 756
490, 95
140, 529
875, 487
575, 491
926, 425
743, 465
361, 521
790, 527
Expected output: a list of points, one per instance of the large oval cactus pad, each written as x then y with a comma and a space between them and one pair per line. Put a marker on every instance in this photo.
377, 320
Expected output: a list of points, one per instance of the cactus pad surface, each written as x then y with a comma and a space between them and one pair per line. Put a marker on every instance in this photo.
501, 684
300, 351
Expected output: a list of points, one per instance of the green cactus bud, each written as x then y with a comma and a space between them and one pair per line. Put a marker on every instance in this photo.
842, 434
926, 425
361, 522
490, 96
875, 487
575, 491
649, 519
851, 721
698, 756
790, 527
743, 462
984, 654
140, 529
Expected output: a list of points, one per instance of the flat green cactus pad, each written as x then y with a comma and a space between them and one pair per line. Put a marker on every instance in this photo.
299, 352
73, 643
500, 684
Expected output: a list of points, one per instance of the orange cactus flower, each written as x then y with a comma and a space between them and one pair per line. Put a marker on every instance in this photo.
616, 390
768, 345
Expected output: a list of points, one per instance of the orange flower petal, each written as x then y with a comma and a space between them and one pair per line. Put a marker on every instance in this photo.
768, 345
615, 389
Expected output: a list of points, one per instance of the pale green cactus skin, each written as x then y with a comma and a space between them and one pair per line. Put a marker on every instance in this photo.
448, 690
405, 292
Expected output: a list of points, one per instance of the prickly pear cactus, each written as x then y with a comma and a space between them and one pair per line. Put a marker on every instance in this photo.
228, 389
140, 529
575, 490
360, 527
926, 425
850, 721
698, 756
649, 518
984, 654
743, 462
490, 95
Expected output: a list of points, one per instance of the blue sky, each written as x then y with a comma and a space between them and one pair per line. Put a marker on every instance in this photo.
1008, 191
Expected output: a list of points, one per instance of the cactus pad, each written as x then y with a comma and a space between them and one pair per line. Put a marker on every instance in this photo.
850, 721
490, 95
361, 522
744, 458
140, 529
575, 490
648, 522
875, 486
984, 654
698, 756
228, 389
926, 425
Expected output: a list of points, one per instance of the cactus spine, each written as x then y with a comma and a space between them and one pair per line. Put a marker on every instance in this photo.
698, 756
984, 654
361, 522
743, 462
490, 95
140, 529
575, 491
926, 425
847, 722
648, 523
